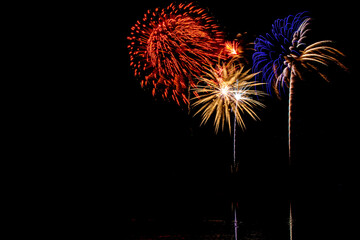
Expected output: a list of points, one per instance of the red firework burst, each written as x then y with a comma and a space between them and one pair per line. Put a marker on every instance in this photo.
169, 48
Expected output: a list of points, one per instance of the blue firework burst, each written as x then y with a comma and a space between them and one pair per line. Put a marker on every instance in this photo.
285, 38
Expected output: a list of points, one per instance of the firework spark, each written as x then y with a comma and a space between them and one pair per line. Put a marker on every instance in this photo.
315, 55
240, 49
233, 48
224, 89
170, 46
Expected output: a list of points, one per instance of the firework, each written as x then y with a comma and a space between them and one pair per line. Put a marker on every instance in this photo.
233, 48
224, 89
285, 38
170, 46
239, 49
284, 52
312, 58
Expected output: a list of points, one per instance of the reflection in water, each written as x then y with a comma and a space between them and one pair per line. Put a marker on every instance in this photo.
291, 222
236, 226
210, 228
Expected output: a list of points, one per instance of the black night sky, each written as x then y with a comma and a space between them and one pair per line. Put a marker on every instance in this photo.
152, 170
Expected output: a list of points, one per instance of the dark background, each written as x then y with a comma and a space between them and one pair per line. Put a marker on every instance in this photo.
141, 166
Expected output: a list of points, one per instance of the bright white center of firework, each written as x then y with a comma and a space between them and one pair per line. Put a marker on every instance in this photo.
238, 96
233, 52
224, 91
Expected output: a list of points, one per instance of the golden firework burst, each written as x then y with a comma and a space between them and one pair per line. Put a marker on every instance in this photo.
224, 89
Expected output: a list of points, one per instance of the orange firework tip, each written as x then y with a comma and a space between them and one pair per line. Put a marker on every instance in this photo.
170, 47
232, 48
240, 49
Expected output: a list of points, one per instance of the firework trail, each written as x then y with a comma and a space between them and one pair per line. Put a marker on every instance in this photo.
170, 46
